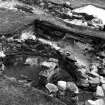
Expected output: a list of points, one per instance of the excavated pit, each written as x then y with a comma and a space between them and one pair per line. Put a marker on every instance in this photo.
37, 47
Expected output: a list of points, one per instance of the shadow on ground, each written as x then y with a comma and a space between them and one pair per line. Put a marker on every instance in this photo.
12, 93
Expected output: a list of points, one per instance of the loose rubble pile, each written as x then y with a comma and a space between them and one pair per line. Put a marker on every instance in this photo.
80, 16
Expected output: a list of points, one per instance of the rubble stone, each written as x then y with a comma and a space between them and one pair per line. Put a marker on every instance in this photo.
94, 74
94, 80
2, 54
97, 102
84, 82
50, 65
31, 61
99, 91
51, 87
62, 85
72, 87
103, 87
102, 80
27, 35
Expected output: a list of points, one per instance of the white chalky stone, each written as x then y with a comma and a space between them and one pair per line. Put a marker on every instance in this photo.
62, 85
27, 35
68, 3
2, 54
97, 102
92, 10
99, 91
31, 61
102, 80
49, 64
51, 87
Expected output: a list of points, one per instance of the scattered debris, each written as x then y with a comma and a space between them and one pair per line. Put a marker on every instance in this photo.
92, 10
